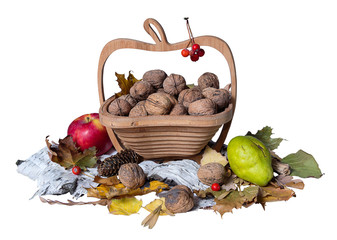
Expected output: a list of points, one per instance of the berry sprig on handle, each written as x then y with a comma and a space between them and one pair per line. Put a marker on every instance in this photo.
195, 51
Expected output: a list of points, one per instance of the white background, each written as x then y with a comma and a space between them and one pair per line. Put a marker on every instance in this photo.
285, 55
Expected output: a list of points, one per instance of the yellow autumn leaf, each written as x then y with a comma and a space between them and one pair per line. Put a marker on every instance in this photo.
156, 203
119, 190
210, 155
125, 206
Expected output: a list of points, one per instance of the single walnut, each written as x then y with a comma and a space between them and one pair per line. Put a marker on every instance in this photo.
129, 99
158, 104
178, 109
160, 90
131, 175
173, 100
139, 110
155, 78
208, 80
212, 173
141, 90
189, 95
219, 96
119, 107
179, 199
202, 107
174, 84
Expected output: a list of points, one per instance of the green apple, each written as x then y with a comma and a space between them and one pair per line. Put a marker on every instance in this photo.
250, 160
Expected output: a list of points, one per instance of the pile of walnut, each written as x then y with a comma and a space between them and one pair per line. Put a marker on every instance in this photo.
159, 94
179, 199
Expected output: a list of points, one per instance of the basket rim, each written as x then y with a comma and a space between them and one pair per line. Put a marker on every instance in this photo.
116, 122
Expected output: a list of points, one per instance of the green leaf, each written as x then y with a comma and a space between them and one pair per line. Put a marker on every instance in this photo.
303, 165
264, 135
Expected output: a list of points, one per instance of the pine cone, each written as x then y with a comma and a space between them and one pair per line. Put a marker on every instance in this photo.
111, 165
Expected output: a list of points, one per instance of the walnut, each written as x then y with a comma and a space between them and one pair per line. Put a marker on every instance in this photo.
219, 96
158, 104
179, 199
202, 107
212, 173
139, 110
173, 100
129, 99
178, 109
119, 107
131, 175
160, 90
189, 95
208, 80
155, 78
174, 84
141, 90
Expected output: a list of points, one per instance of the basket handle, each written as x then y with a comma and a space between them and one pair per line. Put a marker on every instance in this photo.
161, 44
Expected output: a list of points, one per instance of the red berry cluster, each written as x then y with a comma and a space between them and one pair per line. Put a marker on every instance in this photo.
195, 51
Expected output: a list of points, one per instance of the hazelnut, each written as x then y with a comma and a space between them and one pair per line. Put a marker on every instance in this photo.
179, 199
188, 96
139, 110
129, 99
202, 107
219, 96
178, 109
131, 175
208, 80
155, 78
141, 90
158, 104
119, 107
174, 84
212, 173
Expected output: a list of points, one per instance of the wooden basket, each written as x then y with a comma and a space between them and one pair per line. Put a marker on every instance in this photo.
165, 137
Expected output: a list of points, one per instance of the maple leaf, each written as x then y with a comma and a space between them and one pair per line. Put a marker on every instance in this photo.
264, 135
125, 84
68, 155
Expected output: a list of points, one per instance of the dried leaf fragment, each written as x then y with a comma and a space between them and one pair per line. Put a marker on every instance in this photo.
125, 84
210, 155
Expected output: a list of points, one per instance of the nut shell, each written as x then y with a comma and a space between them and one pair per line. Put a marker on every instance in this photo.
212, 173
158, 104
129, 99
139, 110
188, 96
174, 84
202, 107
155, 78
131, 175
219, 96
179, 199
141, 90
208, 80
119, 107
178, 109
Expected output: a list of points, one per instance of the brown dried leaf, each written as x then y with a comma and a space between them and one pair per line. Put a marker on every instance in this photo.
237, 199
125, 84
283, 180
110, 181
273, 194
102, 202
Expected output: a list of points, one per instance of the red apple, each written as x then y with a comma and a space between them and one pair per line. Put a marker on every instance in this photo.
87, 131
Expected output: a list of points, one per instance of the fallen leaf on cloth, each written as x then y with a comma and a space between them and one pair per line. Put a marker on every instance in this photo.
124, 206
119, 190
68, 155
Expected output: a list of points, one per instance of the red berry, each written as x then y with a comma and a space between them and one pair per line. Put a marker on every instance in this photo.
195, 46
185, 52
215, 187
76, 170
195, 57
201, 52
